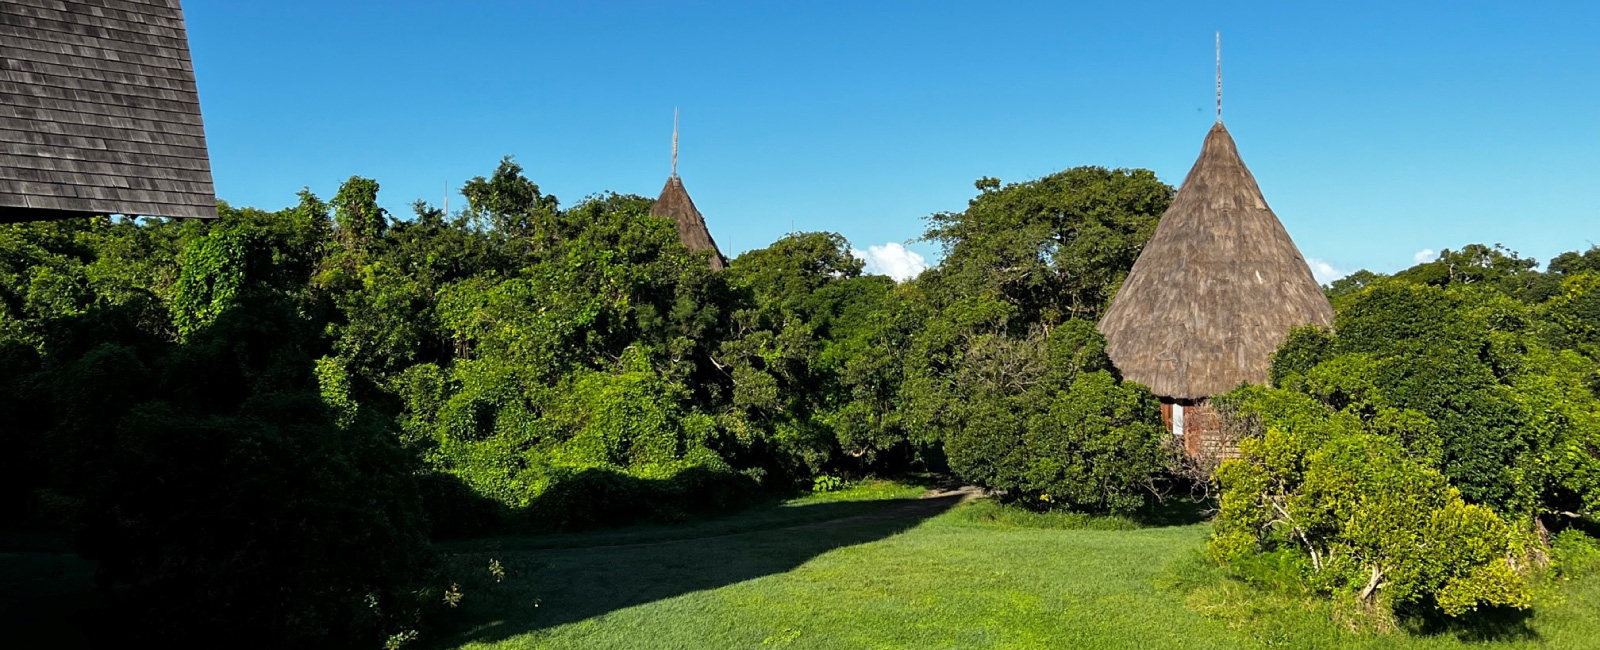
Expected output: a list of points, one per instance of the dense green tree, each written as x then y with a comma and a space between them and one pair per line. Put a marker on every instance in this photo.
1418, 452
1352, 283
1042, 418
995, 369
1574, 262
1056, 247
509, 204
1572, 317
358, 218
206, 477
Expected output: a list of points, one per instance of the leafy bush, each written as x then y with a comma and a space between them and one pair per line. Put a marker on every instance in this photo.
1050, 433
827, 483
1371, 521
1574, 554
213, 484
1408, 451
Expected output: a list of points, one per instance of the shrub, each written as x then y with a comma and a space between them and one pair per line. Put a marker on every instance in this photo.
1096, 445
1371, 521
594, 497
1574, 554
826, 483
1302, 350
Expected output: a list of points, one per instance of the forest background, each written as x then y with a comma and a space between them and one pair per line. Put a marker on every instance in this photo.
260, 424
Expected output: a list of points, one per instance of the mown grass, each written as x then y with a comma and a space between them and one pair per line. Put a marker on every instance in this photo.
988, 513
972, 576
866, 491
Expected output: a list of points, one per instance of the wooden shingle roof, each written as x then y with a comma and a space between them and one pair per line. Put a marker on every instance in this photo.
98, 112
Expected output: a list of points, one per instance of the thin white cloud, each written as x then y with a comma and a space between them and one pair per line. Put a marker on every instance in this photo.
1424, 256
1324, 272
893, 260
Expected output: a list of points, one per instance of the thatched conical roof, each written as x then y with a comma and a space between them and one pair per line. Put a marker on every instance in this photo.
675, 204
1216, 289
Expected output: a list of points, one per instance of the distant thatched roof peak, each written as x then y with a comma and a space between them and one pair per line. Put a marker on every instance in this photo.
675, 204
1216, 289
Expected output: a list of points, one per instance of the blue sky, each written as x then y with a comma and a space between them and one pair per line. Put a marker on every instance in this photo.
1376, 130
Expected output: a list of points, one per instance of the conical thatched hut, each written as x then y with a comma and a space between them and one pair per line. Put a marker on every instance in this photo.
1212, 296
675, 204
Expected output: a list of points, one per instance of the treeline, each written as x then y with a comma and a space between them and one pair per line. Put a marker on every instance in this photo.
1437, 451
256, 425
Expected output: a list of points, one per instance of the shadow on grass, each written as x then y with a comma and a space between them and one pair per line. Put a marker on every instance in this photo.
544, 588
1491, 625
1174, 511
48, 599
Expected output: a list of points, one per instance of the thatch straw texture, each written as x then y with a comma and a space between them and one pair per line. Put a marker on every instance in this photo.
675, 204
1216, 289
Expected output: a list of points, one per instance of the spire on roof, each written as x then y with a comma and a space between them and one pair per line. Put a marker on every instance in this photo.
1219, 76
674, 203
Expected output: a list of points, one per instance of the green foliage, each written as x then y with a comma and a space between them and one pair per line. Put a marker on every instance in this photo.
1573, 262
1005, 366
1352, 283
508, 202
1057, 247
356, 212
1043, 422
212, 281
1495, 266
1470, 362
214, 488
827, 483
1301, 351
1573, 315
1364, 517
1408, 452
334, 384
1574, 554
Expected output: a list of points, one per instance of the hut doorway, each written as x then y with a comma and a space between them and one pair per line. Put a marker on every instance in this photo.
1195, 423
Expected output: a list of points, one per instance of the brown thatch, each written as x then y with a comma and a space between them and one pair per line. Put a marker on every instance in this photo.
675, 204
98, 112
1216, 289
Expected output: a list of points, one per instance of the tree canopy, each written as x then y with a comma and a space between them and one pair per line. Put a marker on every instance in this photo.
258, 424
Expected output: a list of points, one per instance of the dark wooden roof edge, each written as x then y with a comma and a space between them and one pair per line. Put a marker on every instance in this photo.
15, 215
99, 112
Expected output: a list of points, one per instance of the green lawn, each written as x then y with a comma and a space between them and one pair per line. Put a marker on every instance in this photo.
922, 574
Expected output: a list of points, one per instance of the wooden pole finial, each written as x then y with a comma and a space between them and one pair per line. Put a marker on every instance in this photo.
674, 142
1219, 76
